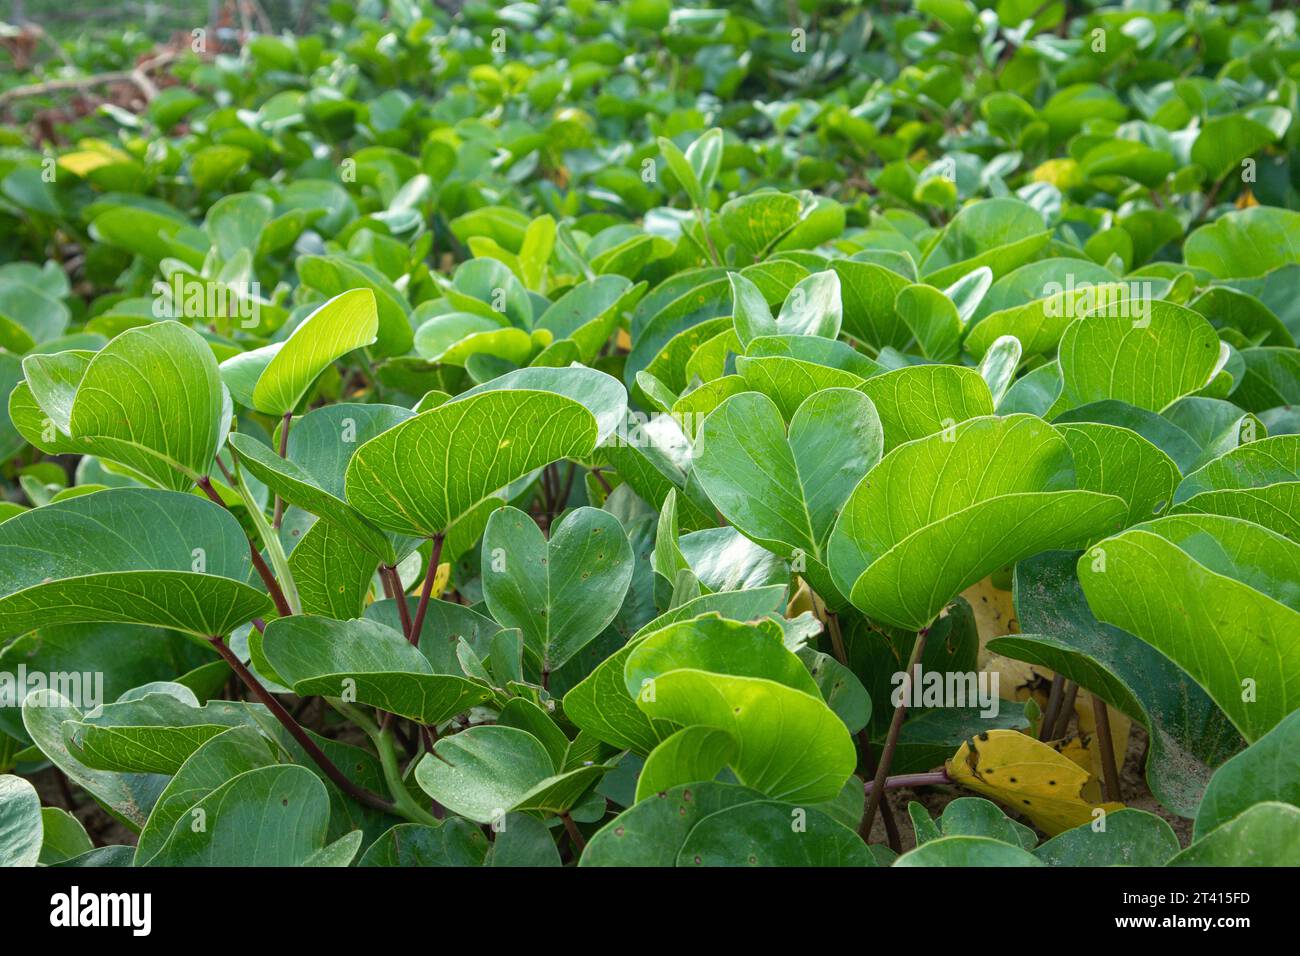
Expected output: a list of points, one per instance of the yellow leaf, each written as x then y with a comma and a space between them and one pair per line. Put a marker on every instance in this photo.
995, 612
1028, 776
440, 579
802, 600
85, 162
1064, 174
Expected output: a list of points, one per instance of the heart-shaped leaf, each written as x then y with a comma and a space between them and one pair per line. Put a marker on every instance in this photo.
485, 772
151, 399
563, 592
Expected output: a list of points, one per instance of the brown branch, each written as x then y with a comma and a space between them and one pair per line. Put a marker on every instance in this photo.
138, 75
327, 766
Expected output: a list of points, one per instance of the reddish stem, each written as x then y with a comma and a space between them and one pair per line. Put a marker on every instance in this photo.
357, 793
430, 573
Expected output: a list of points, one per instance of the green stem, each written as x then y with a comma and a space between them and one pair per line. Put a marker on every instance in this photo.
702, 218
268, 578
278, 515
402, 799
271, 541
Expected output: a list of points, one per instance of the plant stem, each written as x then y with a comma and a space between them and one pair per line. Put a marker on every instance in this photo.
930, 778
1110, 773
430, 573
886, 811
708, 239
357, 793
271, 540
393, 586
837, 637
575, 835
402, 798
264, 572
1067, 709
601, 479
891, 738
1048, 719
278, 515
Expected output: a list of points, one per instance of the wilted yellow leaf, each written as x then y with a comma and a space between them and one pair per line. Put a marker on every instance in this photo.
1026, 775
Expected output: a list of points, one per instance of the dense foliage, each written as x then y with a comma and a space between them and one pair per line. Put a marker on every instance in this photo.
593, 433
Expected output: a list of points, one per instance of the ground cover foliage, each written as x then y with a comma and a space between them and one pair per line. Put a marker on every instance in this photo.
597, 434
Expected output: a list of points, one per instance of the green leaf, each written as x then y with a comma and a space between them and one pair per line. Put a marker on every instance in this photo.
346, 322
1130, 838
223, 757
151, 399
563, 592
127, 555
64, 837
691, 755
785, 490
718, 824
920, 400
590, 312
601, 705
366, 662
312, 473
967, 851
1217, 596
789, 744
869, 292
998, 366
1266, 770
812, 308
749, 309
1189, 734
1116, 461
705, 156
335, 275
155, 733
1245, 242
452, 843
421, 475
486, 771
288, 801
933, 319
21, 831
1150, 361
683, 170
127, 796
1268, 834
1258, 481
937, 515
769, 833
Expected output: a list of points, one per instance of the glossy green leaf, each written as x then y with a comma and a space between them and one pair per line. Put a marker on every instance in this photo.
127, 555
1217, 596
937, 515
